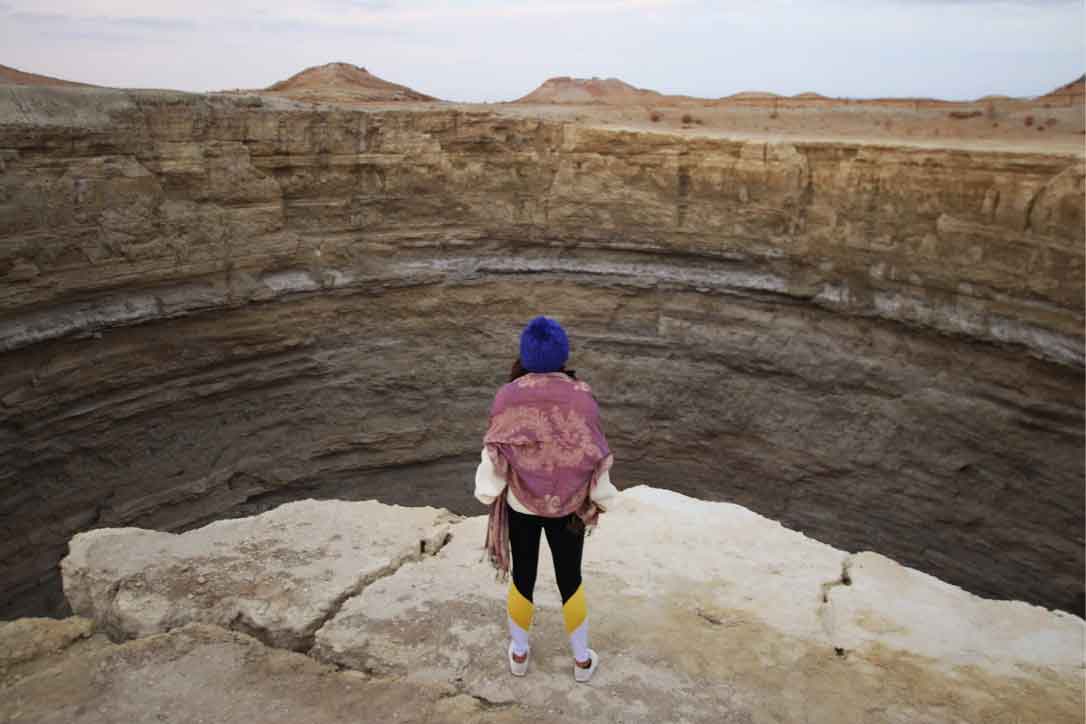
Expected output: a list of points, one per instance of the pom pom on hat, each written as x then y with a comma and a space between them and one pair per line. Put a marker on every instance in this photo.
543, 346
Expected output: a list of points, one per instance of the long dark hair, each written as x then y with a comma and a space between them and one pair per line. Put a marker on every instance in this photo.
519, 371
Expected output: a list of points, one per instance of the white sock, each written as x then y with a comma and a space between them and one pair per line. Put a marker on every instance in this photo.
519, 636
578, 641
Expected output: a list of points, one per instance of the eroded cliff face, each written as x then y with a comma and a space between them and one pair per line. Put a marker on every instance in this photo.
210, 306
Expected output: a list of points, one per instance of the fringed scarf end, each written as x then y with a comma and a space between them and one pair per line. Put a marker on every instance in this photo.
497, 537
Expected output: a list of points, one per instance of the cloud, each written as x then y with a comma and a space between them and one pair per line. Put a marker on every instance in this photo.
55, 20
331, 13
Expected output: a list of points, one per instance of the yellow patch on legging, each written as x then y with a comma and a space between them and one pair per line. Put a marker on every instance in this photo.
575, 610
520, 608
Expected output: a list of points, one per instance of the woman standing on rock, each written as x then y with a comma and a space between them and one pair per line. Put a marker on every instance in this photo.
544, 467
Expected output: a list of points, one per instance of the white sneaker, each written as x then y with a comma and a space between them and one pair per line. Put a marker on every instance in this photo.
583, 675
518, 668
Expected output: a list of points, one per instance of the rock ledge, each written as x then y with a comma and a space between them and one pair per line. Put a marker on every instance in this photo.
702, 611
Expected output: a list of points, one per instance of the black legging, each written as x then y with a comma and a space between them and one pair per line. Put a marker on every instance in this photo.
566, 540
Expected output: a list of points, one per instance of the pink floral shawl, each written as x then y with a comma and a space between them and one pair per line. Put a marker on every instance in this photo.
545, 440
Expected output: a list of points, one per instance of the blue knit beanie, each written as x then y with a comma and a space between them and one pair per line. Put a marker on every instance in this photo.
543, 346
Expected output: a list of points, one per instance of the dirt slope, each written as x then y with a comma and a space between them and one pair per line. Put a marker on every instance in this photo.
343, 82
608, 91
14, 76
1073, 92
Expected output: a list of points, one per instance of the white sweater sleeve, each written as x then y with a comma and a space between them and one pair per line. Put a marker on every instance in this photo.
488, 484
605, 491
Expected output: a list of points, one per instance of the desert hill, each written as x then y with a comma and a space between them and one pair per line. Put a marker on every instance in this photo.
343, 82
1073, 91
15, 76
610, 91
751, 95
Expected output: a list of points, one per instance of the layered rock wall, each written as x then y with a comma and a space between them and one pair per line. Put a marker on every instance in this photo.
209, 306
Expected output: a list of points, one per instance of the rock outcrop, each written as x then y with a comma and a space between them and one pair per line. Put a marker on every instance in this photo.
702, 611
1070, 93
342, 83
278, 577
202, 673
591, 90
210, 306
14, 76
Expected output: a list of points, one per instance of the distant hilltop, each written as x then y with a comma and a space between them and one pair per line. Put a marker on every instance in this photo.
1073, 91
611, 91
345, 83
342, 82
13, 76
757, 96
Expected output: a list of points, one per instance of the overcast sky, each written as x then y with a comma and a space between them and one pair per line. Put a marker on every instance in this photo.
486, 50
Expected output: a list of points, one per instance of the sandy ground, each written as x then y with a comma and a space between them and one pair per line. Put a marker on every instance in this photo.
1001, 125
1010, 126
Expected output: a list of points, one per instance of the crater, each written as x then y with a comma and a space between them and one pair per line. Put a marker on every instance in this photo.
212, 306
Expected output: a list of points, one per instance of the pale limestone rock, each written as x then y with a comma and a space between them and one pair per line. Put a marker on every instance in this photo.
277, 576
887, 604
706, 610
202, 674
660, 562
703, 612
26, 639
